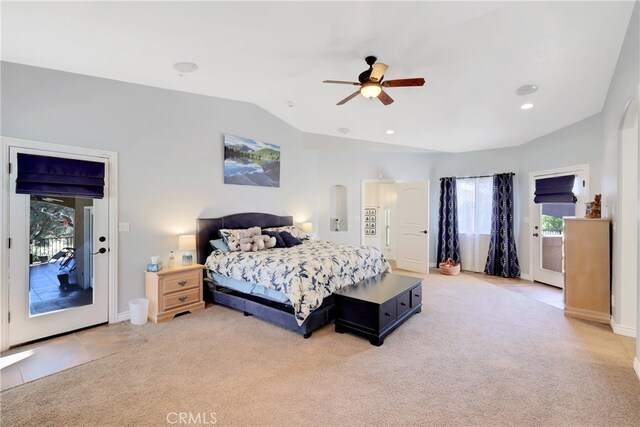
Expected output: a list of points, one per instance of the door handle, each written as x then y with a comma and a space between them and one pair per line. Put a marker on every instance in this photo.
100, 251
535, 234
424, 231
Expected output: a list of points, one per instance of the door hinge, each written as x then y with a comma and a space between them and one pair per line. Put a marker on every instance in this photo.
584, 184
9, 243
9, 318
9, 168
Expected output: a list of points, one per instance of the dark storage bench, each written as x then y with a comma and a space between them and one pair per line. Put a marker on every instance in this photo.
376, 306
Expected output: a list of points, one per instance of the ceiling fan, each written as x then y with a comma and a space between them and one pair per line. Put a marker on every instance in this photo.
371, 84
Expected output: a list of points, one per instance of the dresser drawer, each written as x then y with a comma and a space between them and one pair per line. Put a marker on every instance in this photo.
416, 296
179, 299
179, 282
388, 313
403, 303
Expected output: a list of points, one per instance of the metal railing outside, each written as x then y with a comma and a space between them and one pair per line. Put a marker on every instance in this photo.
43, 249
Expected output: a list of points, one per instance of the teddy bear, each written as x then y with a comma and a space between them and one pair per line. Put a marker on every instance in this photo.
596, 206
253, 240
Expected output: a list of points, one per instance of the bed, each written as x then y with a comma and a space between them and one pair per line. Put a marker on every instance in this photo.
290, 287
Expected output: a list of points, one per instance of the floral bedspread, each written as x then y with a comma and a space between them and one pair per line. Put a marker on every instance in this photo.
305, 273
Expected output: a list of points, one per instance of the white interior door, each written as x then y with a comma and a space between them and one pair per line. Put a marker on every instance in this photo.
548, 229
412, 252
51, 259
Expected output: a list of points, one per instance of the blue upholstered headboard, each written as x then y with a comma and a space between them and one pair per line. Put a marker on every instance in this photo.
207, 228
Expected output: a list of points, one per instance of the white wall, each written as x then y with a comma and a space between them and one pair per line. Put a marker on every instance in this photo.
624, 85
170, 152
575, 144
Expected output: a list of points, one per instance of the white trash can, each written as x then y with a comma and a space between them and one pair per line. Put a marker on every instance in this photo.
139, 310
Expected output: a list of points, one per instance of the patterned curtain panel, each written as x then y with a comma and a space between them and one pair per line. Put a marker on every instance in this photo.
448, 243
503, 257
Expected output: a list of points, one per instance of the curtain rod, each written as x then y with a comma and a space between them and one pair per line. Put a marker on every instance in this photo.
478, 176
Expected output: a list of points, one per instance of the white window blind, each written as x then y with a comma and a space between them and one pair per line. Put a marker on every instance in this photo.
474, 220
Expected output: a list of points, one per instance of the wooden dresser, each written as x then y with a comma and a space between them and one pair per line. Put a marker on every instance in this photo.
174, 290
587, 266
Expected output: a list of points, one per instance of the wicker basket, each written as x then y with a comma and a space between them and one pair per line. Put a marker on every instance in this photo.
449, 267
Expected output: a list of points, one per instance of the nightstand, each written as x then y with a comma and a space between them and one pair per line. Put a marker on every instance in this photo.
174, 290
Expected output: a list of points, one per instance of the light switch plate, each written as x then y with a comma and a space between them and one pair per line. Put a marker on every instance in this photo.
123, 226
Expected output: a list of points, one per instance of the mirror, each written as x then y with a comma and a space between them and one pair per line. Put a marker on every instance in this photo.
338, 217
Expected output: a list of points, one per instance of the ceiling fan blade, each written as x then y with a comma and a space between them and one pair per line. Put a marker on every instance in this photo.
349, 98
385, 98
341, 82
378, 71
404, 82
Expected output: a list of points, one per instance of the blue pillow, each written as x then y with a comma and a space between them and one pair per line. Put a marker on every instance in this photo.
279, 242
220, 245
289, 240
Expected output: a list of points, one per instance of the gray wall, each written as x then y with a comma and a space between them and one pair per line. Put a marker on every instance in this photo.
624, 85
351, 164
170, 154
573, 145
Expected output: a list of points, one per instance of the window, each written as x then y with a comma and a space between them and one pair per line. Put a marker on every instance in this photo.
474, 205
474, 221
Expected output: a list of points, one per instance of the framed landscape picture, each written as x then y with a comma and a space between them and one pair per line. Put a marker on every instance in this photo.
251, 162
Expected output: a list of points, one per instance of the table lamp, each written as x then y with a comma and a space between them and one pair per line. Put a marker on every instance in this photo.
307, 227
187, 243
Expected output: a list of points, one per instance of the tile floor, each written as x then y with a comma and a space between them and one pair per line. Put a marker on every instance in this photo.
30, 362
45, 293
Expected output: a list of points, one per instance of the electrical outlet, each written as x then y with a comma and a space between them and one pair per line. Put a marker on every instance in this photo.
123, 226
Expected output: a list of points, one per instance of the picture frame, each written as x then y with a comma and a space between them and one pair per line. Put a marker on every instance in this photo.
251, 162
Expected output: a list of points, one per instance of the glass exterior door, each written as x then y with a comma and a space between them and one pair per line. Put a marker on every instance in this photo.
60, 267
58, 260
549, 254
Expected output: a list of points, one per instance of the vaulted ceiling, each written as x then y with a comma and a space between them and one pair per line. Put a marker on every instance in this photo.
474, 55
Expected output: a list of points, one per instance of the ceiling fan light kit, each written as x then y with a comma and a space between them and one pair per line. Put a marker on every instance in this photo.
372, 84
370, 90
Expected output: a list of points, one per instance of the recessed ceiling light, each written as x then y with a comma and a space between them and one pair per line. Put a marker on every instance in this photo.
290, 104
390, 131
185, 67
343, 130
526, 89
526, 106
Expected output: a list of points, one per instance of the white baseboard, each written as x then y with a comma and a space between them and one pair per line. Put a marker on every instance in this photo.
125, 315
627, 331
636, 366
526, 276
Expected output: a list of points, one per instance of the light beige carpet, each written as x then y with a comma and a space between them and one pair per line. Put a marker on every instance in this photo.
476, 355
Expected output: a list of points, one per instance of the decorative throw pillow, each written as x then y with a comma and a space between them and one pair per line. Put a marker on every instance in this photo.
220, 245
289, 240
293, 230
278, 237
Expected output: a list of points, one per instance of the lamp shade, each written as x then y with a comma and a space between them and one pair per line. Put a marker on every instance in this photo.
186, 242
307, 227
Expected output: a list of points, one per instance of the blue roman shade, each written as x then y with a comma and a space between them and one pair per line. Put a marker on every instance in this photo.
558, 189
56, 176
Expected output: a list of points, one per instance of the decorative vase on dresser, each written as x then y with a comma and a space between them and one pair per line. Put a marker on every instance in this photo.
587, 266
